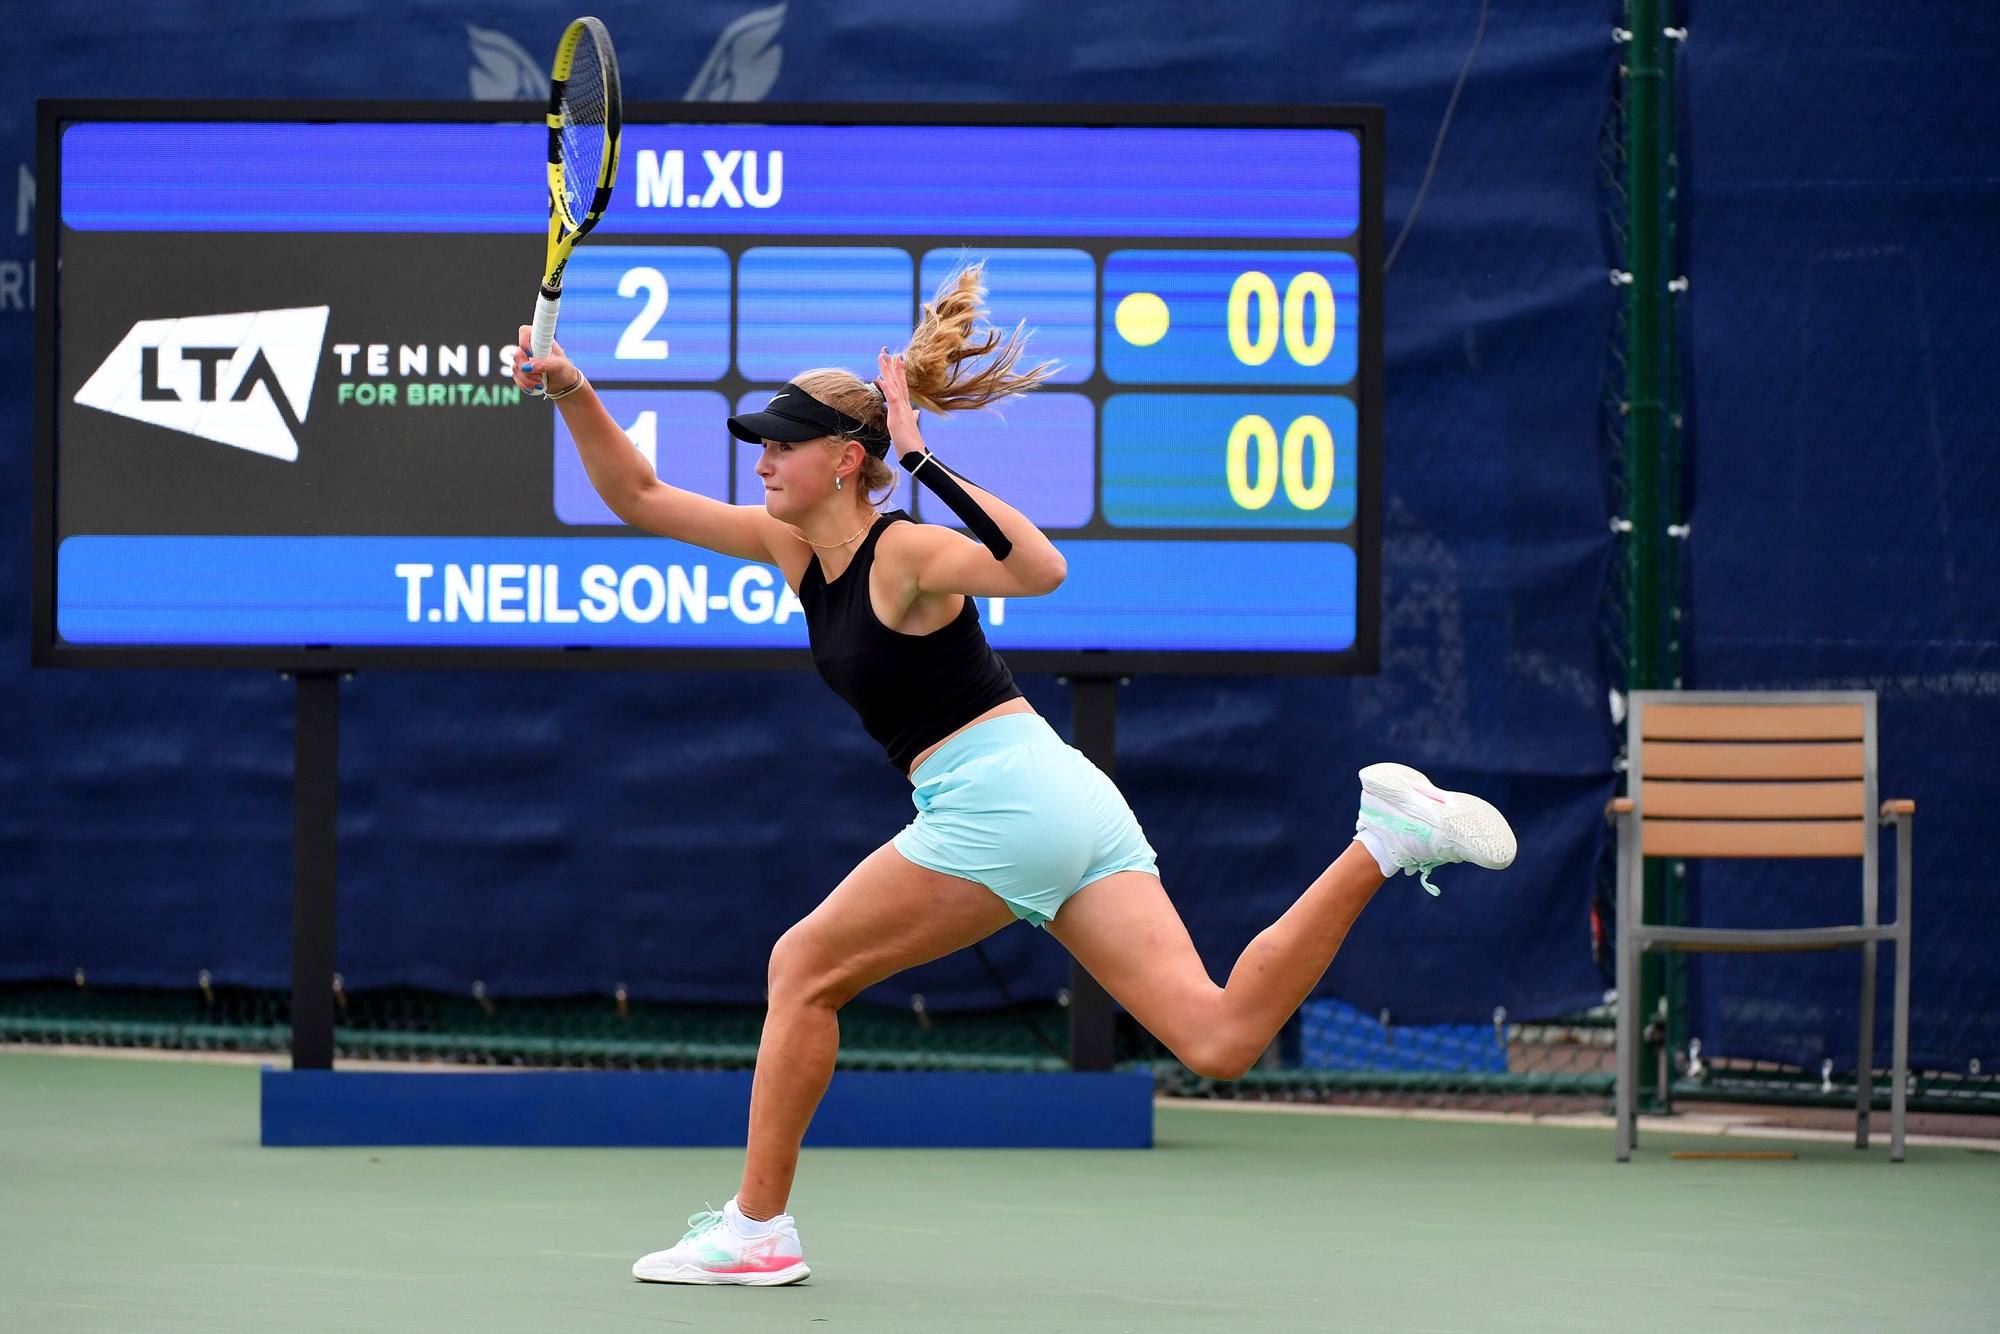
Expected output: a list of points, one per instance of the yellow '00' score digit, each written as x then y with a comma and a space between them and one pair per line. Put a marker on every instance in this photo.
1253, 483
1258, 287
1273, 316
1249, 431
1308, 431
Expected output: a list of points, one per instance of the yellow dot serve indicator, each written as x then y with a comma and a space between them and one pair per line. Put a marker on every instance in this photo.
1142, 319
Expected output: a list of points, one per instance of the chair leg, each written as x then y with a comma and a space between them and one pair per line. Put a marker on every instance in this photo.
1900, 1053
1625, 1107
1864, 1063
1631, 867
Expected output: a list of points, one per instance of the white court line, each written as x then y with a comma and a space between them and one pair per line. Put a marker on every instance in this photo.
1747, 1126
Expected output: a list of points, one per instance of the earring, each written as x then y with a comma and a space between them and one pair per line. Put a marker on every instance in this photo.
836, 483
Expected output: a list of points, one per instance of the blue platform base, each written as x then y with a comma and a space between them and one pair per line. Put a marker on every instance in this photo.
704, 1108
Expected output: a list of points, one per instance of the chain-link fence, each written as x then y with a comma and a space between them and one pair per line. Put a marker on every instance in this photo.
1330, 1053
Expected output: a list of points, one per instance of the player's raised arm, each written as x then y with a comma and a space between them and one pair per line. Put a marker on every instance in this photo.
627, 482
1013, 558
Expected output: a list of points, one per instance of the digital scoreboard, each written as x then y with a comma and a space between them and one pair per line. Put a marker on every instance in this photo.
276, 423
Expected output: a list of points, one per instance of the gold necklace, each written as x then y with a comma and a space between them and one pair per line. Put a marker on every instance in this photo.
831, 546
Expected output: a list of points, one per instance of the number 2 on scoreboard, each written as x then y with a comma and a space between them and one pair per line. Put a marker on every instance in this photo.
636, 343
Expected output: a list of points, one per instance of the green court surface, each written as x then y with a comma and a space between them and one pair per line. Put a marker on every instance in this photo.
134, 1197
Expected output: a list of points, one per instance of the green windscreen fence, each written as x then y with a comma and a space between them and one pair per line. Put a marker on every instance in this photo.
1329, 1052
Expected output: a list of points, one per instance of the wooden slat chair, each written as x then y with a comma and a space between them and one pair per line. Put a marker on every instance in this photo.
1749, 774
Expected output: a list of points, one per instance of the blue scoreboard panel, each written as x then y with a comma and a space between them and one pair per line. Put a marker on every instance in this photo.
279, 428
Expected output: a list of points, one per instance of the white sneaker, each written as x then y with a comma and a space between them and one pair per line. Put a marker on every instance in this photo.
1417, 827
717, 1250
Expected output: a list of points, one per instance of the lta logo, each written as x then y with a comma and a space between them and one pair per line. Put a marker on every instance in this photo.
202, 375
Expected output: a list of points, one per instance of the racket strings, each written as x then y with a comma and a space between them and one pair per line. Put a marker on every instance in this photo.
584, 130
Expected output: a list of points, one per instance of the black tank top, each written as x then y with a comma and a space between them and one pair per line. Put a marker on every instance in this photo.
910, 690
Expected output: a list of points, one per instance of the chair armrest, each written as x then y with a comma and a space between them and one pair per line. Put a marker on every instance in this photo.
1901, 812
1618, 806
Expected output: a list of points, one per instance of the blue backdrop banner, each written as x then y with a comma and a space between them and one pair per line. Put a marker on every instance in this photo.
565, 833
1846, 475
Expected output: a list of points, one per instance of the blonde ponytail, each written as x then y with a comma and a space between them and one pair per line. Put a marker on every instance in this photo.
940, 367
941, 361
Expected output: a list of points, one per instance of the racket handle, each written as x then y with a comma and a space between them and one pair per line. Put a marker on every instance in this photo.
544, 334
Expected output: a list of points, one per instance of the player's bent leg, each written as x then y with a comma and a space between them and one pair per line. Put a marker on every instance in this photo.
1128, 936
887, 915
1124, 930
1126, 933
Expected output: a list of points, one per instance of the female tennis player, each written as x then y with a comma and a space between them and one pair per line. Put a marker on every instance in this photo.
1010, 821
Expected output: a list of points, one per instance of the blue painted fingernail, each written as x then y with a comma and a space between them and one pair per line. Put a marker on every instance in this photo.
527, 365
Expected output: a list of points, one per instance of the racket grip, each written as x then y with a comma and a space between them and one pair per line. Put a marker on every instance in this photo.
544, 335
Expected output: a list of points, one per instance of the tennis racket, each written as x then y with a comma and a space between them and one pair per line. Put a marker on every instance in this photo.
584, 121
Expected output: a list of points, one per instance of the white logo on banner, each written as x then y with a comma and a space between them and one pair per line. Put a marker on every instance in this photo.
741, 67
745, 61
202, 375
17, 276
502, 71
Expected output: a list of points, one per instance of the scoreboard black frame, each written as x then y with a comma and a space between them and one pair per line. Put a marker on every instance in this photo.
1363, 534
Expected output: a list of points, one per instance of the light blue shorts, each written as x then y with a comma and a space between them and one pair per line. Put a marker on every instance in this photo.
1009, 804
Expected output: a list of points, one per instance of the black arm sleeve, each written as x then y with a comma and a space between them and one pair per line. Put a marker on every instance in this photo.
944, 484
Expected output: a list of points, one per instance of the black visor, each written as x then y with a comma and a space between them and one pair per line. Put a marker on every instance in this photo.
794, 415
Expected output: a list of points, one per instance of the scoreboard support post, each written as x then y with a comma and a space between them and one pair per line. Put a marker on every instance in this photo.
1094, 731
315, 816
